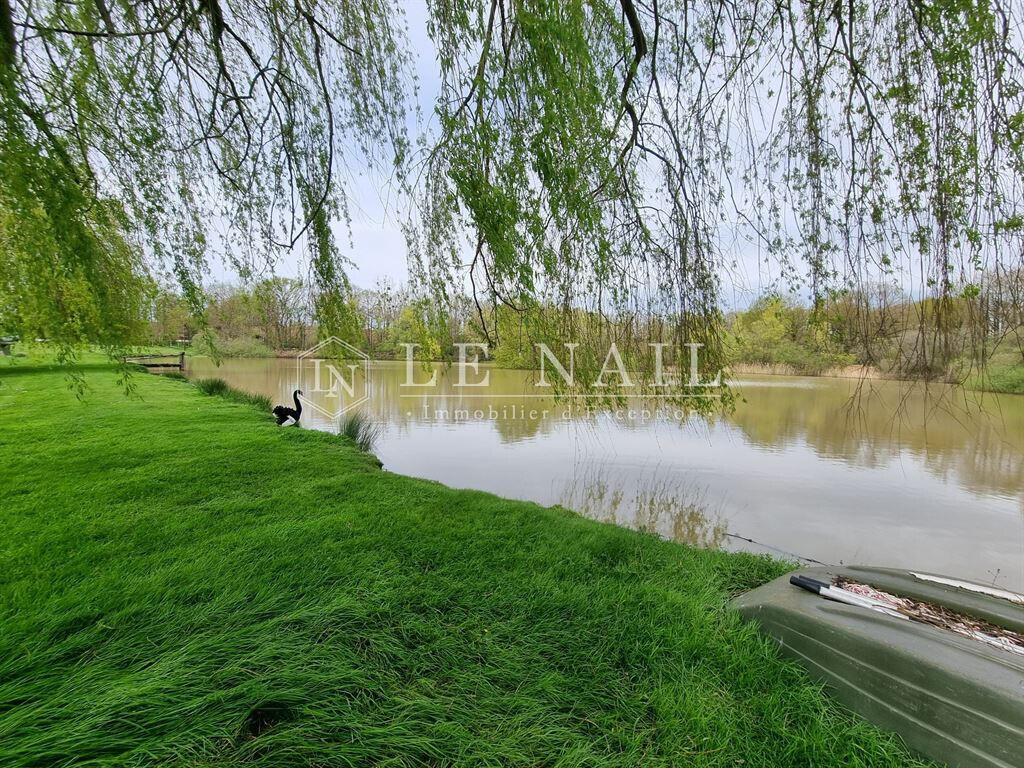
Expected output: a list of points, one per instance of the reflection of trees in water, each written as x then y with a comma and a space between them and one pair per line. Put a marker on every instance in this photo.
978, 439
665, 506
975, 440
503, 405
517, 429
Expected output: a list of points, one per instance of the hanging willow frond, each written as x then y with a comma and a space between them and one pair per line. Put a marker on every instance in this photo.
616, 159
201, 119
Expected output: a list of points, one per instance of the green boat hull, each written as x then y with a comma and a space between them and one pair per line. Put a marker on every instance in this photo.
951, 698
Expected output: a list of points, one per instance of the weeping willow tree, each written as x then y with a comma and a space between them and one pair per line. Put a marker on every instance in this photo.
611, 159
596, 168
140, 137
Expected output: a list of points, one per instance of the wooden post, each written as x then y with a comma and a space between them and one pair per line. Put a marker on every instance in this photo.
181, 361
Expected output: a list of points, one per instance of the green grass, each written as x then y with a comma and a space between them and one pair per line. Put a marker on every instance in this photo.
1007, 379
360, 429
1004, 373
221, 388
182, 583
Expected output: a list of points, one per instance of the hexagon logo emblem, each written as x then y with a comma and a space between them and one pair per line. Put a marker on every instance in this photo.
334, 377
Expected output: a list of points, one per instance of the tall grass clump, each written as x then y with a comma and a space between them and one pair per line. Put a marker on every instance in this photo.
1006, 380
360, 429
221, 388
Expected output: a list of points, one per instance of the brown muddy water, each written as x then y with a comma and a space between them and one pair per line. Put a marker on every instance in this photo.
830, 470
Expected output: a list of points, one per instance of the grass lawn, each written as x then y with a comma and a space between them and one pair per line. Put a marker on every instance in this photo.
1005, 373
184, 583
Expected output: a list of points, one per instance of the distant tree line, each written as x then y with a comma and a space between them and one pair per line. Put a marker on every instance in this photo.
880, 328
948, 339
277, 315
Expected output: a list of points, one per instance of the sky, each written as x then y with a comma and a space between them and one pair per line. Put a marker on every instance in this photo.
374, 242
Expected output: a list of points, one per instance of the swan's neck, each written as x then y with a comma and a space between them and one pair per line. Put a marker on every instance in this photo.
298, 405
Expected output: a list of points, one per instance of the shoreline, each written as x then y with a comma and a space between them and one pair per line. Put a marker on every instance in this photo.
859, 372
863, 373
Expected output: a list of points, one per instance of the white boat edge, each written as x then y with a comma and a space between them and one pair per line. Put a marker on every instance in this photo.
1005, 594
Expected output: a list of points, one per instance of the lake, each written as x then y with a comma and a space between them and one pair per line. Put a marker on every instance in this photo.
831, 470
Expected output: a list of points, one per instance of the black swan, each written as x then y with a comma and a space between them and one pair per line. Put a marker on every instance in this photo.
282, 412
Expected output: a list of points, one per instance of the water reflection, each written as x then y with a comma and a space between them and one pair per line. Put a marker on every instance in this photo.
974, 439
658, 504
903, 475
